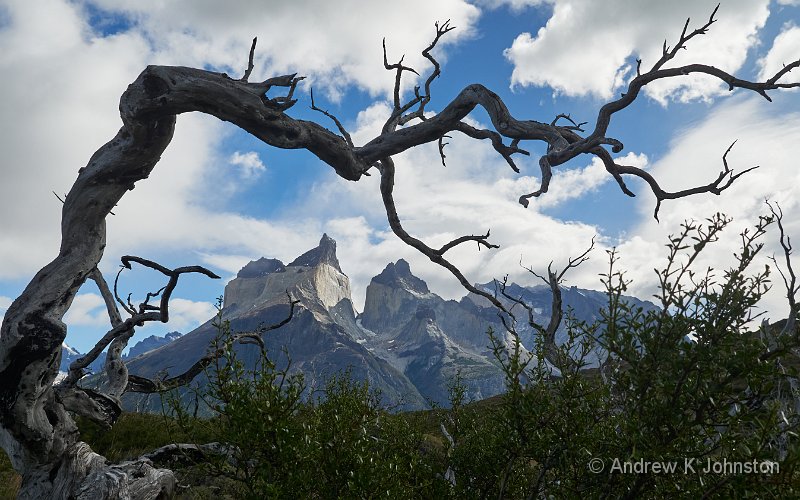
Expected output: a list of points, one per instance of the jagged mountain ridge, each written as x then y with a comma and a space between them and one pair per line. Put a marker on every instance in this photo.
322, 340
147, 344
151, 343
68, 355
582, 304
408, 342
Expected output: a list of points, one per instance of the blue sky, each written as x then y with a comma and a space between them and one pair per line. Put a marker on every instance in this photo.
221, 198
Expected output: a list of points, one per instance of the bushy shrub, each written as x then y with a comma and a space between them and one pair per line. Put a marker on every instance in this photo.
684, 386
679, 387
340, 444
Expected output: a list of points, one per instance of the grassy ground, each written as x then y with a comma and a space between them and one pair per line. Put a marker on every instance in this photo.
9, 480
135, 434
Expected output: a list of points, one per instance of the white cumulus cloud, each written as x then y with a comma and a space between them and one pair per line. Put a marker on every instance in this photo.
785, 49
578, 182
694, 159
249, 163
335, 44
186, 315
88, 309
589, 48
183, 202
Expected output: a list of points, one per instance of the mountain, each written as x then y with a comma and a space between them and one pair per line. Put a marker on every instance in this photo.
432, 339
322, 340
408, 342
428, 338
583, 305
70, 354
150, 343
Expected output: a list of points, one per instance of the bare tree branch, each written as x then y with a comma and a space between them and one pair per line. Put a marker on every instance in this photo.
723, 181
575, 126
108, 298
442, 144
139, 384
91, 404
339, 125
497, 142
116, 339
482, 240
790, 283
399, 68
387, 187
250, 66
424, 99
553, 280
36, 425
668, 54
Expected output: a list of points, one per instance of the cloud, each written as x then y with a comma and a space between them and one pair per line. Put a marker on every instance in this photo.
784, 50
184, 203
58, 108
186, 315
88, 314
588, 48
88, 309
335, 44
514, 5
72, 115
576, 183
184, 207
476, 192
249, 163
5, 302
694, 158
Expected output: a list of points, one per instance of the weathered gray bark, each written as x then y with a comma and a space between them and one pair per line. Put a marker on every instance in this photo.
36, 428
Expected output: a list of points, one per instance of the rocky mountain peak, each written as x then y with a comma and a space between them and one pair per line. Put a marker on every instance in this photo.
261, 267
150, 343
409, 341
325, 253
315, 278
398, 275
393, 297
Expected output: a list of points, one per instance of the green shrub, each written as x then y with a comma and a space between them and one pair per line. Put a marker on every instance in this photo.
343, 444
686, 384
681, 386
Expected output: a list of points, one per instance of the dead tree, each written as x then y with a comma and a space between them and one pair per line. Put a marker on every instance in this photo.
36, 425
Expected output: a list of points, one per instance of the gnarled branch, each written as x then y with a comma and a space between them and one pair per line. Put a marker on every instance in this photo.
117, 338
36, 427
139, 384
790, 282
553, 280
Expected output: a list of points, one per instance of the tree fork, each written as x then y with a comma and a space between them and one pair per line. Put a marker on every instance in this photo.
35, 428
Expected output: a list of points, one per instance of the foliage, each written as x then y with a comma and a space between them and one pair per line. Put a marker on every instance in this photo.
683, 385
686, 385
9, 479
342, 444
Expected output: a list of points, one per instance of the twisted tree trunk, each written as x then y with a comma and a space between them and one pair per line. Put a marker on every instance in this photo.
36, 427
